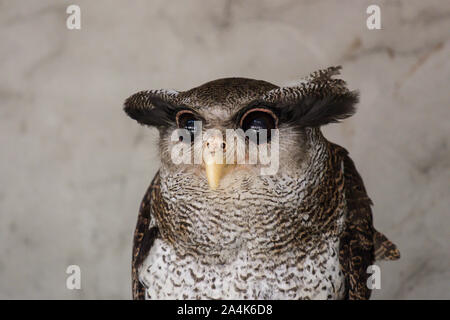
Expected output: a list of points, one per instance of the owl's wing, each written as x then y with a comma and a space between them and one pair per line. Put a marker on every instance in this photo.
384, 248
361, 244
144, 234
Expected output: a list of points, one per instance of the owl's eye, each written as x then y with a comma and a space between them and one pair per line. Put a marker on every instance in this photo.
186, 120
259, 119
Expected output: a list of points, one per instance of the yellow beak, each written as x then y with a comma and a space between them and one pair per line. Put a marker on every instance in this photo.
214, 158
214, 172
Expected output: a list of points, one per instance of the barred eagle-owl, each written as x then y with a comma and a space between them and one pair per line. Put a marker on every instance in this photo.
227, 231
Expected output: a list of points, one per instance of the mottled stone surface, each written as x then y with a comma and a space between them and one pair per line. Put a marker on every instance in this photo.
73, 167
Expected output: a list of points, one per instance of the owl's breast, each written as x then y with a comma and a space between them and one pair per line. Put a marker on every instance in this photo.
265, 215
298, 275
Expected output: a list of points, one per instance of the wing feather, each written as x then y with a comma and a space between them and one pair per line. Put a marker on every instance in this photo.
361, 244
144, 235
357, 250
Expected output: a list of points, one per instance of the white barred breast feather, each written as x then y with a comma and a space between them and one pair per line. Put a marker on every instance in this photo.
167, 276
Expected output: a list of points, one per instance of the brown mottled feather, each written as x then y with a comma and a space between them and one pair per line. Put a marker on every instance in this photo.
356, 248
143, 235
361, 244
384, 248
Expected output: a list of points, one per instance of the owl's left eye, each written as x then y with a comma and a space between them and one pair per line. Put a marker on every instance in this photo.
186, 120
258, 120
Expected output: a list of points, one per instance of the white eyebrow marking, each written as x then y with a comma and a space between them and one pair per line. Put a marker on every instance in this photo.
219, 113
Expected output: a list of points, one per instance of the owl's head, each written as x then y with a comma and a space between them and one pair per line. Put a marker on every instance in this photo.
234, 127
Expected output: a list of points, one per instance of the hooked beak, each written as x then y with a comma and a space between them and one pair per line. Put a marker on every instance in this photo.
214, 172
214, 159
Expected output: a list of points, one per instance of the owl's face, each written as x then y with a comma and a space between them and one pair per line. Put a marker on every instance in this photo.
233, 131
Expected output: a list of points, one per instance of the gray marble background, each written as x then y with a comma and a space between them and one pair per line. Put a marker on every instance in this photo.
73, 167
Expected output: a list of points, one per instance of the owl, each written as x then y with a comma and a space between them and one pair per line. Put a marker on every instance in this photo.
212, 230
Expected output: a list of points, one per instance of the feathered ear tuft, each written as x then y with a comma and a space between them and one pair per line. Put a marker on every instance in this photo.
317, 100
314, 111
152, 108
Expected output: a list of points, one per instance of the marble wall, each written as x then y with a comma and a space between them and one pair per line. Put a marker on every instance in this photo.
73, 167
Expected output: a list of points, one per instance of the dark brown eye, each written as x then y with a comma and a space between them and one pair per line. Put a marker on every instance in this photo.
258, 120
186, 120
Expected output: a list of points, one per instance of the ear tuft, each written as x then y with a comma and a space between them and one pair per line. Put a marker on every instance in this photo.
314, 111
151, 108
317, 100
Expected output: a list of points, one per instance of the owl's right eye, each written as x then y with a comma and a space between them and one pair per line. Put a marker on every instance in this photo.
186, 120
259, 119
